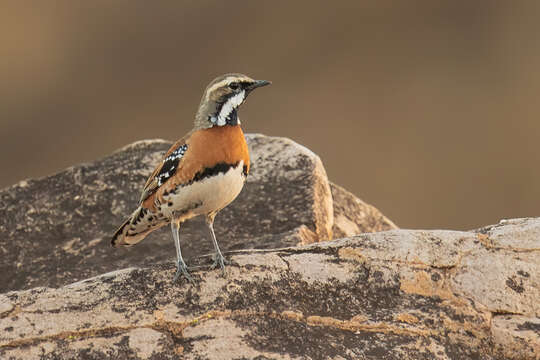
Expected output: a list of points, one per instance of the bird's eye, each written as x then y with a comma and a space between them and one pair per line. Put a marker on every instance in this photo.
234, 86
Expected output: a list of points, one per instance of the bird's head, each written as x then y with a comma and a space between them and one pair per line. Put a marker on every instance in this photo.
223, 97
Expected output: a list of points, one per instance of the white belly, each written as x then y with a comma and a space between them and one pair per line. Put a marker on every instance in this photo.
205, 196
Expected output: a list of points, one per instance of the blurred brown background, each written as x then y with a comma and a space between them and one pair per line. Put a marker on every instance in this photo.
426, 109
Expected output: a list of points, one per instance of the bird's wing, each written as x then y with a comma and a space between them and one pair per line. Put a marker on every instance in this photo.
166, 169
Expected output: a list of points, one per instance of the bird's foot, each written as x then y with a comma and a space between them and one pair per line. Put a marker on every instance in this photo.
220, 261
181, 269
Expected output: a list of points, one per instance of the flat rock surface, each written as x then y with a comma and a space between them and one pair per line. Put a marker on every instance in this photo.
400, 294
57, 229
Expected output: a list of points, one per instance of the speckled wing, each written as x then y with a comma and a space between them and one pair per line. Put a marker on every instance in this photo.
168, 167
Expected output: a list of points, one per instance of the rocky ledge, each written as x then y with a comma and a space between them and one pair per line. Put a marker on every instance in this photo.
400, 294
290, 293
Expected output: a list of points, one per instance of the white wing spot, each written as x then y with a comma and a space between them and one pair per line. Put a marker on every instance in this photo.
170, 163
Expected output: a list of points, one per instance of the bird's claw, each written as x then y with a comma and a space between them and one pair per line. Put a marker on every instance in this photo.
181, 269
219, 261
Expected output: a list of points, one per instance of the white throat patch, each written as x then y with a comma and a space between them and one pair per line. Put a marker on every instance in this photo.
232, 103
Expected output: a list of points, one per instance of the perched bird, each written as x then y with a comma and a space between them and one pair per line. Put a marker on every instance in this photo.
200, 174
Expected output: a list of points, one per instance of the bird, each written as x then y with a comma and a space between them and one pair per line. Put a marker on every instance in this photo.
200, 174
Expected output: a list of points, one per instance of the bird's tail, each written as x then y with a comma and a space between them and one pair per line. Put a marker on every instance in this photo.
141, 222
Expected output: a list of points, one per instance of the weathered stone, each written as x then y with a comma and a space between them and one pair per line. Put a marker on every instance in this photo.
400, 294
517, 337
147, 342
352, 216
56, 230
5, 305
515, 234
142, 343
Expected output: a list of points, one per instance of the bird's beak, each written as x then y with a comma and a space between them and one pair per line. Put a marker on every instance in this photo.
258, 83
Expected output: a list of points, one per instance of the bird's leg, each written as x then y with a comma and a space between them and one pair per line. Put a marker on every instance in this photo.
181, 267
219, 260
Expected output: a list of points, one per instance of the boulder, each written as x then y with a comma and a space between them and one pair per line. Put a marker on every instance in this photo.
353, 216
56, 230
399, 294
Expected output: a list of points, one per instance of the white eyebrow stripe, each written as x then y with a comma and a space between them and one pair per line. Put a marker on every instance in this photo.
218, 85
225, 82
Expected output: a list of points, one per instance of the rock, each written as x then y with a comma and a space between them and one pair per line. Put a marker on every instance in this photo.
56, 230
517, 337
5, 305
147, 342
399, 294
352, 216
